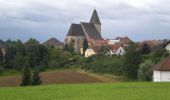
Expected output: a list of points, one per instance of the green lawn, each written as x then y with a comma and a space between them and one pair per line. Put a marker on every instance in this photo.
105, 91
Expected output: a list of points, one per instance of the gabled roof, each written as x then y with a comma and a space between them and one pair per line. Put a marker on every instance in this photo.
75, 30
115, 47
95, 18
152, 43
168, 42
53, 42
91, 31
96, 48
163, 65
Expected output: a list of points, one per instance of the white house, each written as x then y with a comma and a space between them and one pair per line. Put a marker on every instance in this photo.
161, 71
117, 50
114, 50
167, 46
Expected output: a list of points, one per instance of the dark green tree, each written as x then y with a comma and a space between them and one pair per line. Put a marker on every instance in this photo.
36, 80
20, 61
85, 45
69, 47
104, 50
1, 57
26, 77
132, 59
145, 71
145, 49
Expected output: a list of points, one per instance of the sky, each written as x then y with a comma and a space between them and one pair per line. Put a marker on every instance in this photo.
43, 19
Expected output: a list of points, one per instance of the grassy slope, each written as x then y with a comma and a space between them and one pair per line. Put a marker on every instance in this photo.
107, 91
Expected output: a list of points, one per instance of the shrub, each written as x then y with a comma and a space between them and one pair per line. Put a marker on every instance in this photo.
36, 78
145, 71
26, 77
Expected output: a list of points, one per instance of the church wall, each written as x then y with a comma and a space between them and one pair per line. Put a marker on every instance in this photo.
77, 41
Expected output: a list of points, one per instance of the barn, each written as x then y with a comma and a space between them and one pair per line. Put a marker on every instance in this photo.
161, 71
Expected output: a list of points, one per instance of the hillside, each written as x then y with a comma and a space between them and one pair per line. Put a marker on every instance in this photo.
95, 91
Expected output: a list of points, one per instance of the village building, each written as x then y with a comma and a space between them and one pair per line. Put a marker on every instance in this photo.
54, 42
115, 49
84, 33
167, 46
161, 72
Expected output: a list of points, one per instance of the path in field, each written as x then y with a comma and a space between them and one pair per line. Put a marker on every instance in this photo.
55, 77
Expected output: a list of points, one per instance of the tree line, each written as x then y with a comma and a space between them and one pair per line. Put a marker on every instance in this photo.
136, 64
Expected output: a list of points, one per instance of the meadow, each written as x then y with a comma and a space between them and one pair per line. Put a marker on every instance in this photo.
91, 91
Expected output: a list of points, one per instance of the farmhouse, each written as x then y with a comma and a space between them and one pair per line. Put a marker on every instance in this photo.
167, 46
162, 71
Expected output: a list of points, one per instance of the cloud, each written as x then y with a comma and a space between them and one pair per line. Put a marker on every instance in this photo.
42, 19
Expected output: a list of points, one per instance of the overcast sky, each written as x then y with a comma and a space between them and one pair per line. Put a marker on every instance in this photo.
42, 19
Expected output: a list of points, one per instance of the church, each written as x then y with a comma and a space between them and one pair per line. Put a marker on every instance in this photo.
81, 35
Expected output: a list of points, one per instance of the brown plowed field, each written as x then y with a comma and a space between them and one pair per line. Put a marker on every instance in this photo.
55, 77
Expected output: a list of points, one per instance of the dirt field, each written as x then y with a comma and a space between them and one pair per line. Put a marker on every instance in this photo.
55, 77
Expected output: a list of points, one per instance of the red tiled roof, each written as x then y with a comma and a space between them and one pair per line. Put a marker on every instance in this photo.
125, 40
54, 42
152, 43
163, 65
96, 48
115, 47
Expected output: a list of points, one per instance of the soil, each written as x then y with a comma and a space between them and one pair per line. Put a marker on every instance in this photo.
53, 77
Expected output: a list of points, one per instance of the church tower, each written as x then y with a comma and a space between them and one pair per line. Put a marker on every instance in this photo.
96, 21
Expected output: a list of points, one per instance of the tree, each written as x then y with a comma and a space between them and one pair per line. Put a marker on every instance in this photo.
20, 61
36, 78
85, 45
132, 59
1, 57
104, 50
145, 49
145, 71
69, 47
26, 77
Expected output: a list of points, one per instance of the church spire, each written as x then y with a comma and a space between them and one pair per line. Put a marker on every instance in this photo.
95, 18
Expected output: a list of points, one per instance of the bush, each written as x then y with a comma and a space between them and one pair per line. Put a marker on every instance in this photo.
104, 64
36, 78
26, 77
145, 71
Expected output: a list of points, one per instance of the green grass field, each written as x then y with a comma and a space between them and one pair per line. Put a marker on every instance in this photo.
98, 91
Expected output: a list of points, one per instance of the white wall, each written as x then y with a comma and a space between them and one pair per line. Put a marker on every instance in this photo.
161, 76
168, 47
120, 51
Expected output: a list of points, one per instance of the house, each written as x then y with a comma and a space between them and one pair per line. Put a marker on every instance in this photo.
114, 50
153, 45
54, 42
161, 71
92, 51
167, 46
117, 50
83, 33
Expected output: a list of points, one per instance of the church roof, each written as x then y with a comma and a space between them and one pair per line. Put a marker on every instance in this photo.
75, 30
91, 31
53, 42
95, 18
